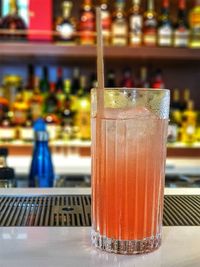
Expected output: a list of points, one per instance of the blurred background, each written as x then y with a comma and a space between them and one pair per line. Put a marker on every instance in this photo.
48, 66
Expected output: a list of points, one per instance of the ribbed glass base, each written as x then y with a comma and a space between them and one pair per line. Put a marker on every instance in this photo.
126, 247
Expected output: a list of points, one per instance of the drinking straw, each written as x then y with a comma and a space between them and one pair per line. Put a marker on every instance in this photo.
100, 64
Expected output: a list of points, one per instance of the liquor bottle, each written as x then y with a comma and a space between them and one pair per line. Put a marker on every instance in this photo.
60, 94
36, 102
165, 30
92, 81
106, 21
87, 24
158, 82
175, 107
53, 126
7, 174
7, 129
135, 24
41, 171
11, 84
150, 25
51, 113
66, 27
67, 116
28, 90
51, 102
75, 86
175, 117
44, 82
26, 132
119, 29
194, 21
67, 87
111, 79
20, 109
175, 102
198, 127
186, 99
181, 31
82, 118
127, 80
3, 157
4, 104
144, 82
7, 177
11, 23
189, 121
173, 129
75, 81
59, 81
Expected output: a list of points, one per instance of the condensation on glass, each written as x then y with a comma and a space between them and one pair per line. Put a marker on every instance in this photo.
128, 165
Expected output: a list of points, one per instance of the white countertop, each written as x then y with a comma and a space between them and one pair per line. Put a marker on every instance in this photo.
83, 191
82, 165
56, 247
69, 246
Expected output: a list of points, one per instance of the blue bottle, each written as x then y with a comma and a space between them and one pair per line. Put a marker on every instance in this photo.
41, 172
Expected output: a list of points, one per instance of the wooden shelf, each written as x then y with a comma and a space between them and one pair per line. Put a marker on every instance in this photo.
35, 50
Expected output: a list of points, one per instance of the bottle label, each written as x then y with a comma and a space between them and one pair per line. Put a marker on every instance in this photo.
165, 36
66, 31
181, 38
195, 20
7, 133
87, 22
150, 38
83, 123
150, 23
150, 33
87, 28
26, 134
36, 110
106, 20
19, 116
119, 34
53, 131
190, 130
136, 29
172, 133
106, 25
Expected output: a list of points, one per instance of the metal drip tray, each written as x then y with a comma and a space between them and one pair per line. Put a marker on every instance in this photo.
45, 211
74, 210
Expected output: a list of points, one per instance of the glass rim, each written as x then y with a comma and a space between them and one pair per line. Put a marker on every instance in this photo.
132, 89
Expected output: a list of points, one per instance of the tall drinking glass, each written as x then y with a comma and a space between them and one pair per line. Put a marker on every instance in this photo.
128, 169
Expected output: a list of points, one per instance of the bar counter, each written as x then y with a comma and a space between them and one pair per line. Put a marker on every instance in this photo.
71, 246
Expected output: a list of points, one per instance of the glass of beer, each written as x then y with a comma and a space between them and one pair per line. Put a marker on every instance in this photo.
128, 169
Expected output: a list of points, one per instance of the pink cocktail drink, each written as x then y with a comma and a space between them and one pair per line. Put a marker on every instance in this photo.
128, 159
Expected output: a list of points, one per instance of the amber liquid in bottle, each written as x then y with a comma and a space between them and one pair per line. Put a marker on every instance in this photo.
87, 24
135, 24
194, 18
119, 25
150, 25
181, 32
106, 21
165, 31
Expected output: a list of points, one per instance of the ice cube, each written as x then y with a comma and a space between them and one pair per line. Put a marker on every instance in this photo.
126, 113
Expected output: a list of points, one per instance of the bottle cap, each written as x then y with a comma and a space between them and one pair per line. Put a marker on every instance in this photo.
7, 173
3, 152
39, 125
41, 136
